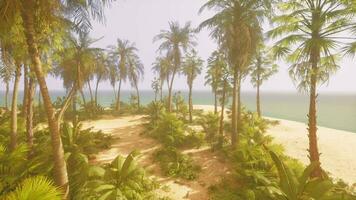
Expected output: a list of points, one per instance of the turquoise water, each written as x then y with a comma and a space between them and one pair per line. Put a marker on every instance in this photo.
336, 111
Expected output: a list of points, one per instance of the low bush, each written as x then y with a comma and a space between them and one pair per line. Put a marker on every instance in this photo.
173, 163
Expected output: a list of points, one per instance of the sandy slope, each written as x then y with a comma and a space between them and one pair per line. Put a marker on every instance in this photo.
127, 137
337, 147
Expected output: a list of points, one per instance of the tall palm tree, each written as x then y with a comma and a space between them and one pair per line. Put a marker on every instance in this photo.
237, 28
80, 13
192, 67
310, 31
262, 68
135, 74
122, 53
215, 65
175, 42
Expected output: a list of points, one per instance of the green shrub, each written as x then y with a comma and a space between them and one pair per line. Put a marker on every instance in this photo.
210, 124
170, 130
173, 163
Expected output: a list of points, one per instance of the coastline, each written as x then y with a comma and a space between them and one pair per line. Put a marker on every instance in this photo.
336, 146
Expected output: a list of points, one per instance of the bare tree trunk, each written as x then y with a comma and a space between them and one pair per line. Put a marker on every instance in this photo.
83, 96
118, 97
221, 126
25, 91
161, 90
215, 102
96, 90
258, 100
314, 155
60, 168
90, 91
29, 116
190, 103
138, 97
239, 114
13, 137
74, 107
234, 111
7, 96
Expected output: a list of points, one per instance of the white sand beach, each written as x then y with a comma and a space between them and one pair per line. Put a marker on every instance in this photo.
336, 147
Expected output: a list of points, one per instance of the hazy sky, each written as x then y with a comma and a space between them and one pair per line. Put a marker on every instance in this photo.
140, 20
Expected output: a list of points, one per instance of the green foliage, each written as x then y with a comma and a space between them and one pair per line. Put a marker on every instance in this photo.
121, 179
180, 107
170, 131
210, 124
35, 188
173, 163
154, 111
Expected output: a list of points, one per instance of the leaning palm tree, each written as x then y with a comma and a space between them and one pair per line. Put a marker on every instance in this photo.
76, 64
175, 42
77, 11
121, 53
310, 30
192, 67
237, 28
262, 68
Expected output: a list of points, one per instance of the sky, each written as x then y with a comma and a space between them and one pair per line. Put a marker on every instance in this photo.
140, 20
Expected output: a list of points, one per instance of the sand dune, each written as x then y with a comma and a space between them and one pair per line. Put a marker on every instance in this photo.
336, 147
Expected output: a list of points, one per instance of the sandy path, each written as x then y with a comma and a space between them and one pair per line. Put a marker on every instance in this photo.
127, 137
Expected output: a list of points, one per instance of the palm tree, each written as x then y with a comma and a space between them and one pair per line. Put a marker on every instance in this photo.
76, 65
121, 54
262, 68
101, 71
237, 28
135, 74
156, 87
161, 68
51, 12
216, 63
192, 67
310, 30
6, 75
175, 41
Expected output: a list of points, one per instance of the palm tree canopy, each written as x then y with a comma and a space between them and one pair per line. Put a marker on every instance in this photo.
176, 40
192, 67
122, 54
262, 67
309, 30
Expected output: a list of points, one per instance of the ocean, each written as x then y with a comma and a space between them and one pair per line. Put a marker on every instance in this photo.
336, 111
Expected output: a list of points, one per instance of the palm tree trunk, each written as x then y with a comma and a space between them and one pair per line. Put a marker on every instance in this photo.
96, 90
29, 116
74, 107
190, 103
118, 96
234, 111
90, 91
314, 155
13, 136
239, 113
25, 91
215, 102
83, 96
60, 168
258, 100
221, 126
161, 90
7, 96
138, 96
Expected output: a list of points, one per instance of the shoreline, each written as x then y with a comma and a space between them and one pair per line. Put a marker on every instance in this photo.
336, 146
